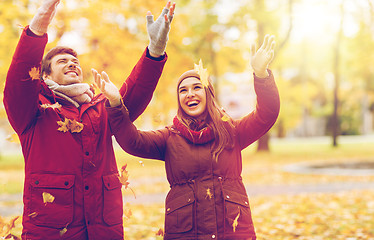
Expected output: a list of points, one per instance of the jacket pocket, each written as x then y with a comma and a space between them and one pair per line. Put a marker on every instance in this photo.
237, 207
113, 206
52, 198
179, 213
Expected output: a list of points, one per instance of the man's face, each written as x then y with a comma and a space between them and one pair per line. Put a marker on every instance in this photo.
65, 70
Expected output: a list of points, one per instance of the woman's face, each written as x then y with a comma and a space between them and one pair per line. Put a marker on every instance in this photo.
192, 97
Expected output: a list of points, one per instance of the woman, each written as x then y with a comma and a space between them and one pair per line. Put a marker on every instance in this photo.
202, 152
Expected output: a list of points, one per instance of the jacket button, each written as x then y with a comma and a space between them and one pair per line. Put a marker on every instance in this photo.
87, 153
168, 209
213, 236
189, 200
86, 187
36, 182
66, 183
246, 202
227, 196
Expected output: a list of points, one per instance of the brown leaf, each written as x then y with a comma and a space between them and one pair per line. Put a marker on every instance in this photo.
34, 73
76, 127
124, 177
160, 232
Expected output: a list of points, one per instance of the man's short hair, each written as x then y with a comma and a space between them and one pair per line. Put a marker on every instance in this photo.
46, 62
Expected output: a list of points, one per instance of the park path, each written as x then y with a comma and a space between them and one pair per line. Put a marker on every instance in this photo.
11, 204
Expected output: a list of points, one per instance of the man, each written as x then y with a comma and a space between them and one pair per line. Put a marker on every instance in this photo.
71, 188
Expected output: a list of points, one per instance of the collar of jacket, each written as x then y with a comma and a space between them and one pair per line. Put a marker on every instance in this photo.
203, 136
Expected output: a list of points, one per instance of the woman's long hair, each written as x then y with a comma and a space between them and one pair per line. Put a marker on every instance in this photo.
220, 123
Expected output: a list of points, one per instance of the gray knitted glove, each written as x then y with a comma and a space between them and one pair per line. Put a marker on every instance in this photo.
43, 17
158, 32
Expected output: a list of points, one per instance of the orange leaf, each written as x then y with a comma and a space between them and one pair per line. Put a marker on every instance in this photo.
124, 177
34, 73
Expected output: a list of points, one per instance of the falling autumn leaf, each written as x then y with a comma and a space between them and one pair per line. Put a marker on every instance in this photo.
124, 177
13, 138
208, 194
203, 73
235, 223
56, 105
34, 73
64, 230
32, 215
48, 198
225, 118
160, 232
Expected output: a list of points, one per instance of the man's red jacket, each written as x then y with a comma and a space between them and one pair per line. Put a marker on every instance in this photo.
77, 168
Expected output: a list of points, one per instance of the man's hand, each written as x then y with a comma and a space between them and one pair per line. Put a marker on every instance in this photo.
39, 24
107, 87
261, 59
158, 30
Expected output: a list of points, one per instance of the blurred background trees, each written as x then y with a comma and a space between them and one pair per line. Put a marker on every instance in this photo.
320, 44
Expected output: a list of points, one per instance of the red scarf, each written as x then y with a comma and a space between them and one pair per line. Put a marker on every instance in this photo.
196, 137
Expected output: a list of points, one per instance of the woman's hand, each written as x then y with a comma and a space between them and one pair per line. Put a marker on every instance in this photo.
261, 59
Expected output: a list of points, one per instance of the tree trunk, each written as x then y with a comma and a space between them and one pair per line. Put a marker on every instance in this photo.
335, 116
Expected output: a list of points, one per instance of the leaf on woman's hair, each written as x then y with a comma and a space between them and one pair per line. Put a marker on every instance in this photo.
48, 198
34, 73
203, 73
235, 223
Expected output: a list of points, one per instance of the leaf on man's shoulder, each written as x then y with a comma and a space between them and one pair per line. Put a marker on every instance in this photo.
34, 73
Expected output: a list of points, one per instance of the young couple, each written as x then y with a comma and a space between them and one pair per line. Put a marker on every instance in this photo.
71, 188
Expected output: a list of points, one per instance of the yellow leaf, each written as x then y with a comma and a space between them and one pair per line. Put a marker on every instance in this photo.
56, 105
13, 138
63, 231
34, 73
48, 198
72, 125
225, 118
235, 223
203, 73
32, 215
64, 125
208, 194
